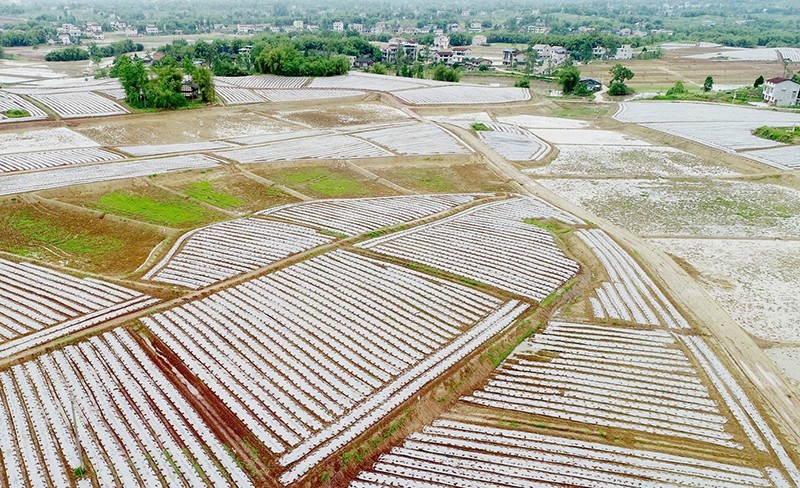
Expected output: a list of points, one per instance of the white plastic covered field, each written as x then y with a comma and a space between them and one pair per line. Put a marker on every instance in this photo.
10, 101
105, 400
80, 104
49, 159
459, 453
463, 95
56, 178
38, 305
519, 257
312, 355
355, 216
513, 142
261, 81
325, 147
43, 140
155, 149
370, 82
415, 139
220, 251
630, 295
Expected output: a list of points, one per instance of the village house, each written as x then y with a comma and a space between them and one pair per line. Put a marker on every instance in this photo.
441, 42
513, 57
599, 52
131, 32
475, 27
409, 47
443, 56
363, 62
151, 30
298, 24
781, 92
461, 53
356, 27
624, 52
338, 26
479, 41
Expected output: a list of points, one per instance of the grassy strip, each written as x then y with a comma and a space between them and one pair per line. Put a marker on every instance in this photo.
786, 135
172, 212
203, 191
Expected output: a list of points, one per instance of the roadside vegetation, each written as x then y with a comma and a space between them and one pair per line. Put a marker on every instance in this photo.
785, 135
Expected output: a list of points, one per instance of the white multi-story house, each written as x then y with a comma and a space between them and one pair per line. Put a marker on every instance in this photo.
338, 26
441, 42
409, 47
461, 53
356, 27
782, 92
298, 24
479, 40
624, 52
151, 30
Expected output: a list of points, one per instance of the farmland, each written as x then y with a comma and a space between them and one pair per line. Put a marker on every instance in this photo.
346, 283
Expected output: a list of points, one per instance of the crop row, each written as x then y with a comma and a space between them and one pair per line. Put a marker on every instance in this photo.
517, 257
220, 251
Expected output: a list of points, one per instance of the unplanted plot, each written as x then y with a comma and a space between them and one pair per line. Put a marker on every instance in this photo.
73, 239
713, 208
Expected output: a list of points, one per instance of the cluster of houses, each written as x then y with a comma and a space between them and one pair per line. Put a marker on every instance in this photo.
781, 92
69, 34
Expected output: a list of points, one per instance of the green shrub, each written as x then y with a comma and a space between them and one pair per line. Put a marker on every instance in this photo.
16, 113
618, 88
478, 126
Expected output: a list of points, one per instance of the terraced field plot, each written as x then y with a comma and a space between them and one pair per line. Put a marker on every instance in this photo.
627, 161
10, 101
73, 238
80, 104
712, 208
415, 139
327, 181
463, 95
39, 305
357, 216
56, 138
514, 143
229, 191
520, 258
21, 183
156, 149
132, 425
48, 159
370, 82
324, 147
753, 280
221, 251
364, 336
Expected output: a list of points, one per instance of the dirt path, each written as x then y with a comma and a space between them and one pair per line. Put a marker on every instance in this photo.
777, 395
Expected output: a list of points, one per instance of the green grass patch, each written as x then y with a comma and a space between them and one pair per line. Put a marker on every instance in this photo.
550, 226
428, 179
741, 96
745, 211
582, 111
46, 232
359, 453
204, 192
173, 212
786, 135
16, 113
478, 126
322, 181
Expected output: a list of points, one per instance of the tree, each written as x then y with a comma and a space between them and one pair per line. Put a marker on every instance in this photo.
443, 73
678, 89
759, 81
202, 77
378, 69
621, 74
618, 88
708, 84
569, 78
133, 78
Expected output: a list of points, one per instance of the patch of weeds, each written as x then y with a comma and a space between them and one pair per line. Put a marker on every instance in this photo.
80, 472
17, 114
359, 453
478, 126
549, 225
204, 192
48, 233
172, 212
322, 181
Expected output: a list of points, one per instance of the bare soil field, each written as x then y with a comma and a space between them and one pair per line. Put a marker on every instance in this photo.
754, 280
662, 73
628, 161
709, 208
323, 181
184, 127
430, 177
227, 190
74, 239
139, 200
348, 115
